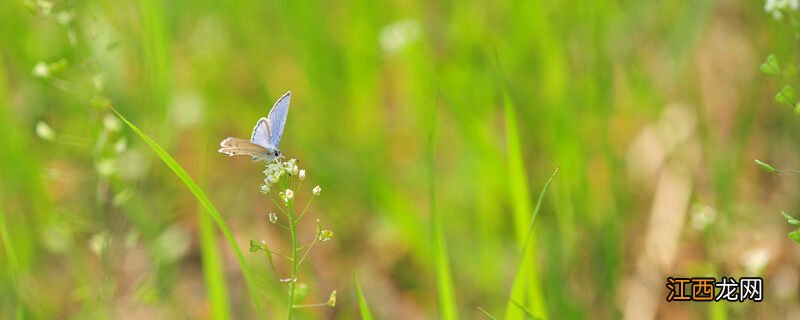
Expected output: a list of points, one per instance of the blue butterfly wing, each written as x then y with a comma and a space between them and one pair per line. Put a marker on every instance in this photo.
277, 119
261, 133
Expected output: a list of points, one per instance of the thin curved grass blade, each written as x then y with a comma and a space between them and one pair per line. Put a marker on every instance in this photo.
363, 307
444, 278
526, 258
204, 202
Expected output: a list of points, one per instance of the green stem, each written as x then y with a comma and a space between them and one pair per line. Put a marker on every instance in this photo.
306, 208
277, 254
293, 275
307, 251
312, 305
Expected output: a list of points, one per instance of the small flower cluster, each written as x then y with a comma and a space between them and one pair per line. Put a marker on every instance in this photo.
777, 7
276, 170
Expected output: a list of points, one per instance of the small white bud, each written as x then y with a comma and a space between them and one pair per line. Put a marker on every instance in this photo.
111, 123
302, 174
295, 170
273, 218
264, 189
325, 235
98, 80
289, 194
316, 190
41, 70
44, 131
332, 299
121, 145
106, 167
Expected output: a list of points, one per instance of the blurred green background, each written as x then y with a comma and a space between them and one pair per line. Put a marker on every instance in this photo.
653, 110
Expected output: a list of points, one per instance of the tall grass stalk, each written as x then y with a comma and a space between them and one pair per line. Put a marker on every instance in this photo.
13, 264
363, 307
527, 286
213, 270
213, 273
526, 261
444, 280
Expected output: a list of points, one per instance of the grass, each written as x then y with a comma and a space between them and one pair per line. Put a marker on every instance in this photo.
213, 272
444, 281
12, 265
363, 307
521, 283
526, 286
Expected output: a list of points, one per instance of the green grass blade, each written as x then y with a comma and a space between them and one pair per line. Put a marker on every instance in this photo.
205, 202
526, 286
487, 313
444, 280
13, 263
11, 254
213, 273
517, 175
363, 307
528, 314
526, 263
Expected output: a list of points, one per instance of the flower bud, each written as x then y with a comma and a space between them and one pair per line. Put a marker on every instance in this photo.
273, 218
325, 235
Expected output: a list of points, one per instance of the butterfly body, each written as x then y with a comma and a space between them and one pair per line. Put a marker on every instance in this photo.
263, 143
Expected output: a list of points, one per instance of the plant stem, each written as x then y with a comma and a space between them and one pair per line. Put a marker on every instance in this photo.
306, 208
321, 304
293, 275
307, 251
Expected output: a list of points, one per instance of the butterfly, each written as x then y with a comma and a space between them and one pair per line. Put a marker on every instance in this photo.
263, 144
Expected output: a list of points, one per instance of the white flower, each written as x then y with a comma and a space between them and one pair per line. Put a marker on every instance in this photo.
44, 131
98, 80
755, 260
106, 167
777, 7
289, 194
295, 170
64, 17
702, 216
111, 123
288, 166
325, 235
316, 190
264, 189
273, 218
41, 70
121, 145
302, 174
397, 35
332, 299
